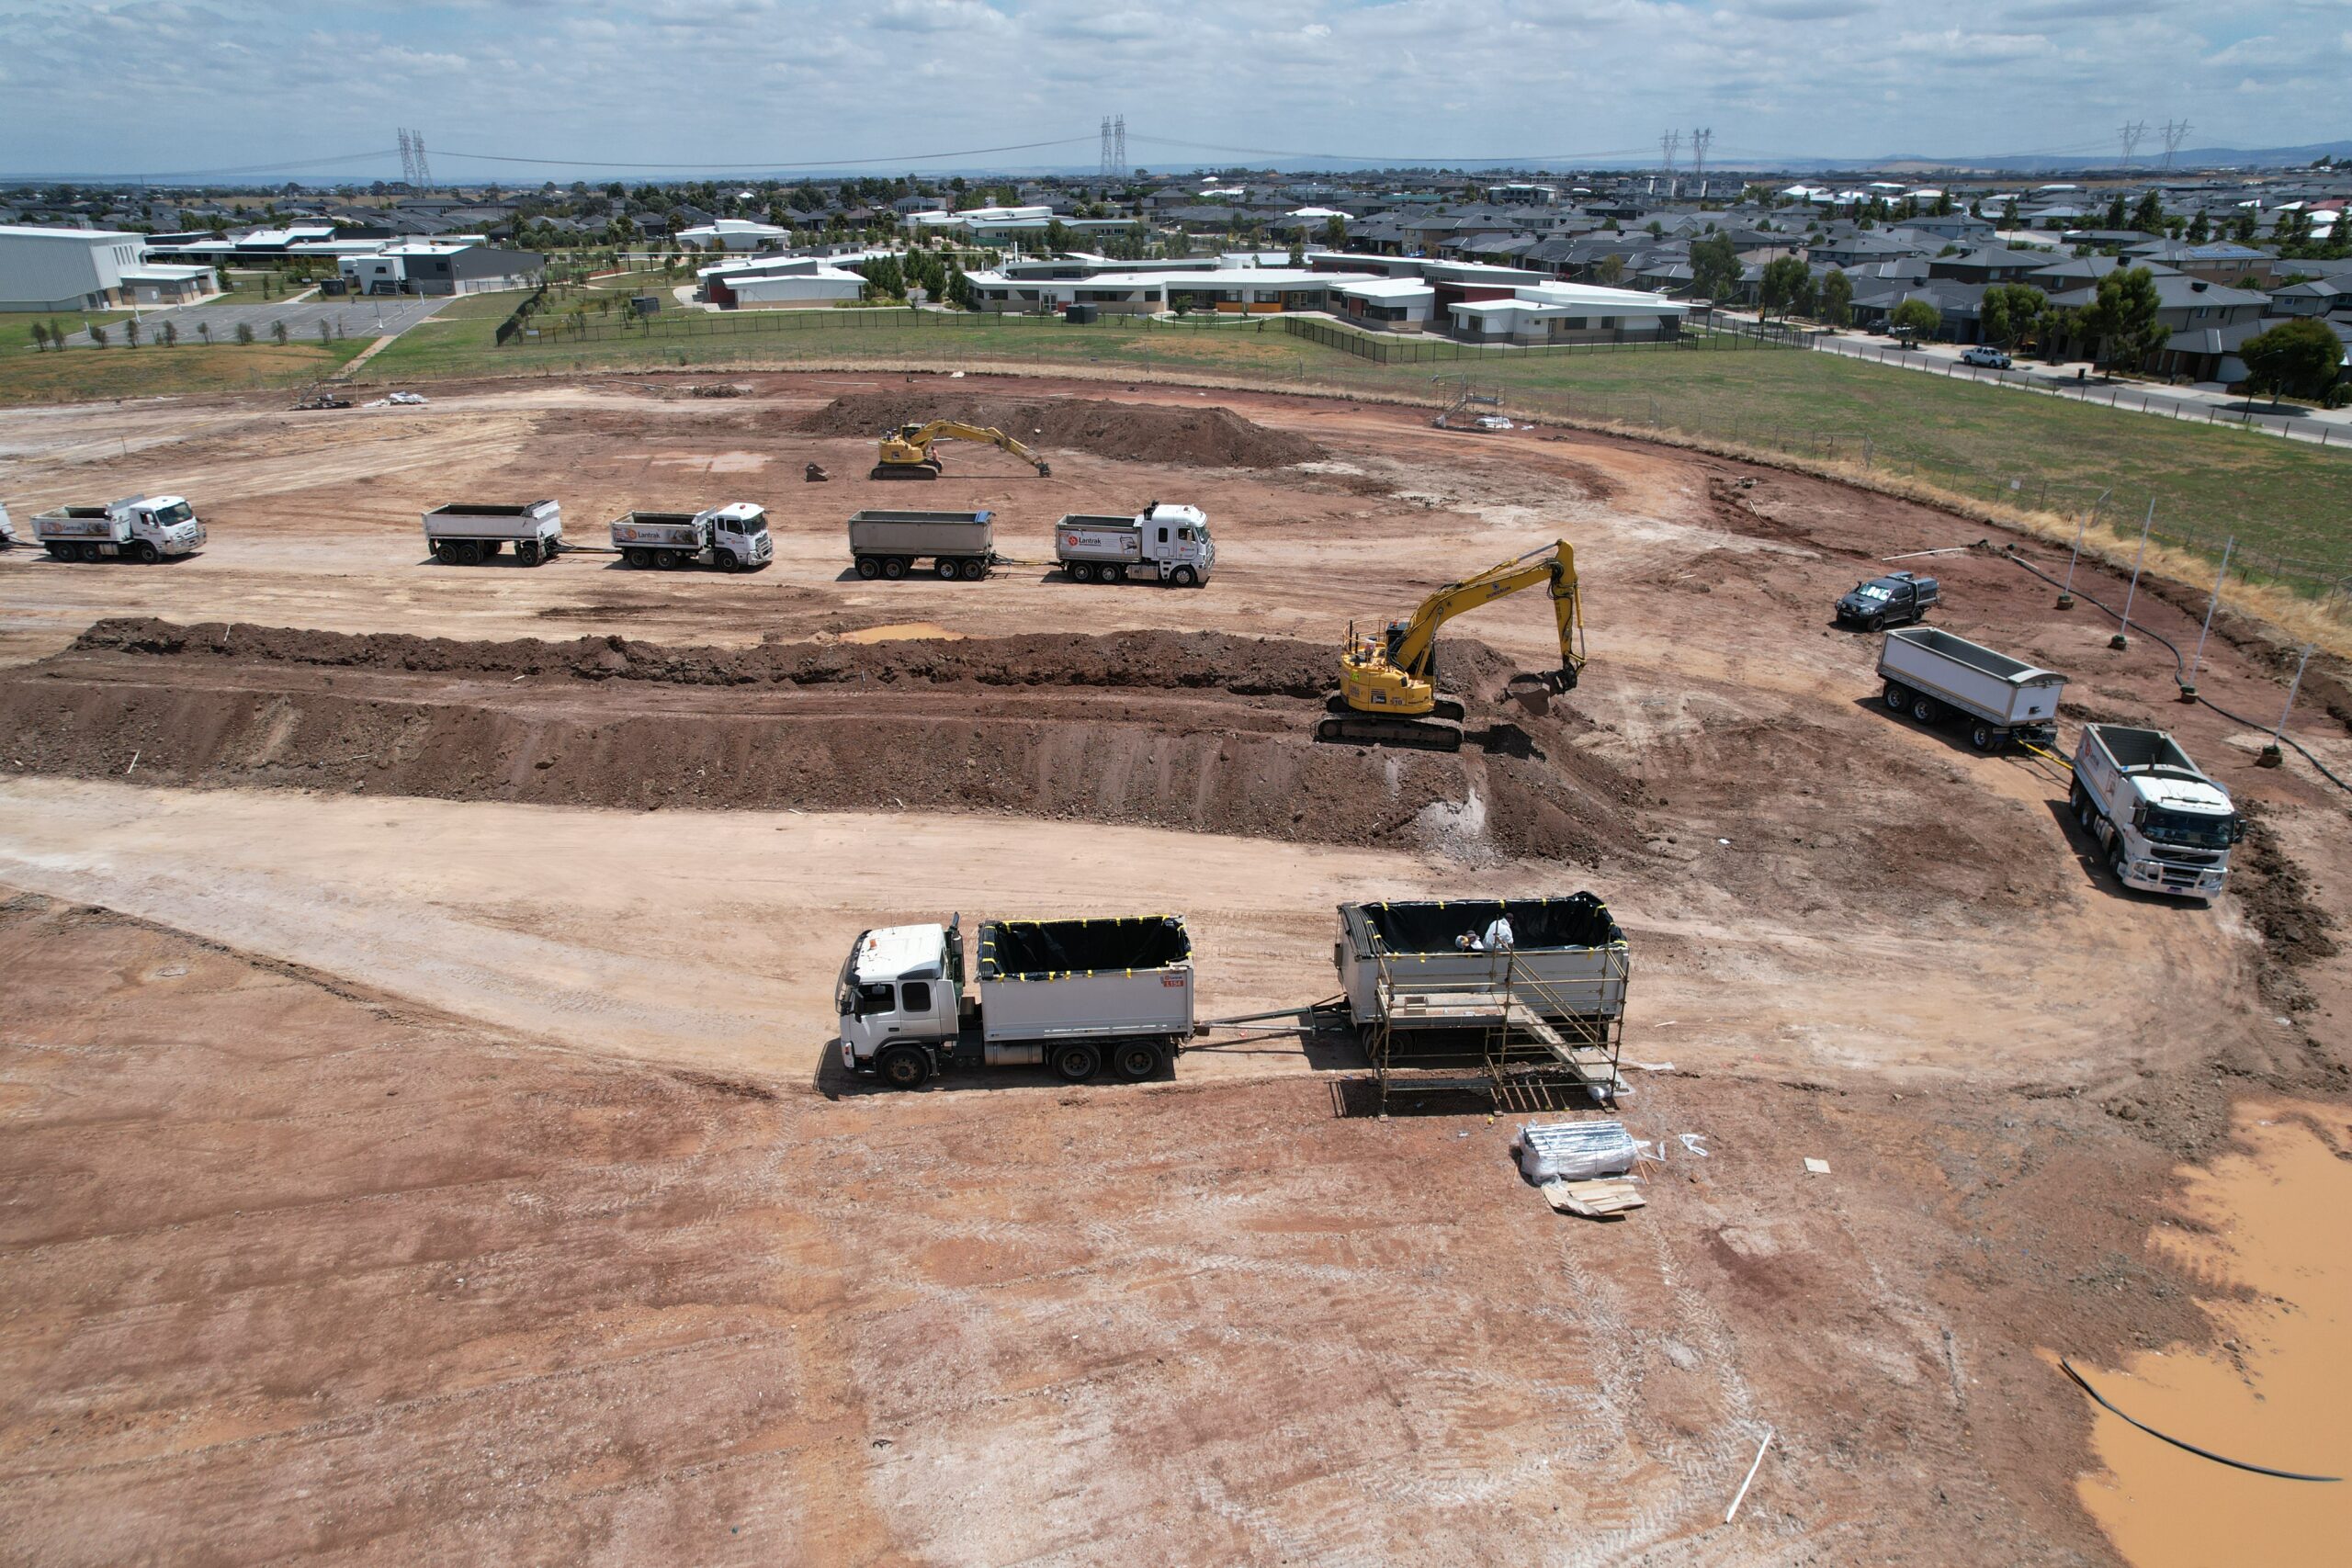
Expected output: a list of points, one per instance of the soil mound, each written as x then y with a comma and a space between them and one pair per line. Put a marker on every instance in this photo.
1206, 437
1201, 731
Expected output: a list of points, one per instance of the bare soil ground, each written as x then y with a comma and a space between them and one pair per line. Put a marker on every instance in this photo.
415, 1010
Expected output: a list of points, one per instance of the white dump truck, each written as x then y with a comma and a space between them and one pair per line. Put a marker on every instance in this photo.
2161, 824
7, 529
137, 527
733, 537
467, 533
1933, 676
888, 543
1073, 995
1166, 544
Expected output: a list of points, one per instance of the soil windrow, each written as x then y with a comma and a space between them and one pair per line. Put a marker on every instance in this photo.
1206, 437
1203, 731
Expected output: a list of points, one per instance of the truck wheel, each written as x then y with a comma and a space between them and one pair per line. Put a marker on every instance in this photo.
1925, 710
469, 554
1114, 572
146, 552
1076, 1062
1078, 571
1897, 697
491, 547
2079, 801
60, 550
903, 1066
1875, 624
1983, 737
1183, 577
528, 552
868, 567
975, 570
727, 560
894, 568
2115, 861
947, 568
1136, 1060
90, 552
637, 556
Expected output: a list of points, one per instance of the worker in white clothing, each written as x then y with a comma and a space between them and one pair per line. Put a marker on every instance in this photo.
1499, 937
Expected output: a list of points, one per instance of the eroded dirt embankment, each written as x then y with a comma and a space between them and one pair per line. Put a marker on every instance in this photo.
1136, 432
1202, 730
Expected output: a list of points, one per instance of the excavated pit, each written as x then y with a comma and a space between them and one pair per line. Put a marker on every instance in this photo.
1202, 731
1208, 437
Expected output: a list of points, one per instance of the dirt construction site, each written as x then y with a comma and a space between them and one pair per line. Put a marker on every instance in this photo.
426, 1138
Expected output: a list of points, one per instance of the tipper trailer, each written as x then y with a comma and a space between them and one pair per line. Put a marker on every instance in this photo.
1073, 995
1933, 675
467, 533
1168, 544
888, 543
137, 527
732, 539
2161, 824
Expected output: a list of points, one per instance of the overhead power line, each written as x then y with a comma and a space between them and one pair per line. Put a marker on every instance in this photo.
745, 165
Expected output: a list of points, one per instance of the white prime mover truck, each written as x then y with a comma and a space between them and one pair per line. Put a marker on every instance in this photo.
467, 533
137, 527
2161, 824
733, 537
1073, 995
1168, 544
1933, 675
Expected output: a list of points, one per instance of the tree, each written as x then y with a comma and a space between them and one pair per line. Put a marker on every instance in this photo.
2117, 212
1058, 236
1787, 286
1610, 269
170, 335
1297, 253
2200, 231
204, 330
2122, 317
2149, 216
277, 331
1917, 318
244, 331
1714, 266
1335, 233
2010, 311
2299, 358
97, 335
1837, 298
41, 336
2242, 227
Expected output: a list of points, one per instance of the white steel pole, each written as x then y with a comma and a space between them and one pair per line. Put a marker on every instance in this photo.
2122, 632
2189, 687
2270, 756
2067, 595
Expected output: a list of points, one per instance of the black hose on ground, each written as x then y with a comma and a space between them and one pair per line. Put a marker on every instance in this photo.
2180, 668
2084, 1384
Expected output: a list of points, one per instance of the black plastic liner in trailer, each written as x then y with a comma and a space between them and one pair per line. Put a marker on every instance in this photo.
1028, 950
1581, 919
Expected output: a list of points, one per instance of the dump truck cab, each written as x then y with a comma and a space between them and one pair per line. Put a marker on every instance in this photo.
2163, 825
900, 987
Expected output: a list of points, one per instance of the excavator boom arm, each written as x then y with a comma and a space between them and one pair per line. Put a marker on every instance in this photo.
921, 437
1555, 565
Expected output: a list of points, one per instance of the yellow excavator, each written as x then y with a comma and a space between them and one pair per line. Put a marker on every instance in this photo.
1388, 683
906, 451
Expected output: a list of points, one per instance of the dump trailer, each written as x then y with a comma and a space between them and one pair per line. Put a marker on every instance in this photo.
2161, 824
1166, 544
733, 537
137, 527
467, 533
1934, 676
1526, 987
891, 544
1074, 996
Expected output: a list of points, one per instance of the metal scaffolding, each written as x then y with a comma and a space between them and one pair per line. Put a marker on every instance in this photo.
1511, 1033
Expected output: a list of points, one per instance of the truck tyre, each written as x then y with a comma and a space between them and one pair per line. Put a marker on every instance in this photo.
1078, 571
1875, 624
946, 568
528, 552
1925, 710
1898, 697
491, 547
2079, 800
1114, 572
727, 560
90, 552
894, 568
468, 553
445, 553
1183, 577
975, 570
1136, 1060
1983, 737
146, 553
868, 567
2115, 861
637, 556
60, 550
903, 1066
1076, 1062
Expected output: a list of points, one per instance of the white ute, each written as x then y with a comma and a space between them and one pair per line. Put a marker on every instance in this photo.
1074, 996
2164, 825
137, 527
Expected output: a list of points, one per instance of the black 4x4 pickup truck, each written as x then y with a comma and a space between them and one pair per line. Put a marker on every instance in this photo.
1894, 600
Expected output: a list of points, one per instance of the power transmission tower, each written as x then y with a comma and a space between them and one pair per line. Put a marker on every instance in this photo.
2176, 131
1699, 140
424, 169
1119, 147
408, 161
1103, 167
2133, 131
1667, 145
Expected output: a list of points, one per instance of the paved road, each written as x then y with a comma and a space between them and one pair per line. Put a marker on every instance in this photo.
348, 317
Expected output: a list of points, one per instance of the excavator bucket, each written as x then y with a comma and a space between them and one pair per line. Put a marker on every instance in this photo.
1534, 689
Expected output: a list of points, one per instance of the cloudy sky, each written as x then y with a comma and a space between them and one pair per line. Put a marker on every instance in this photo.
163, 87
